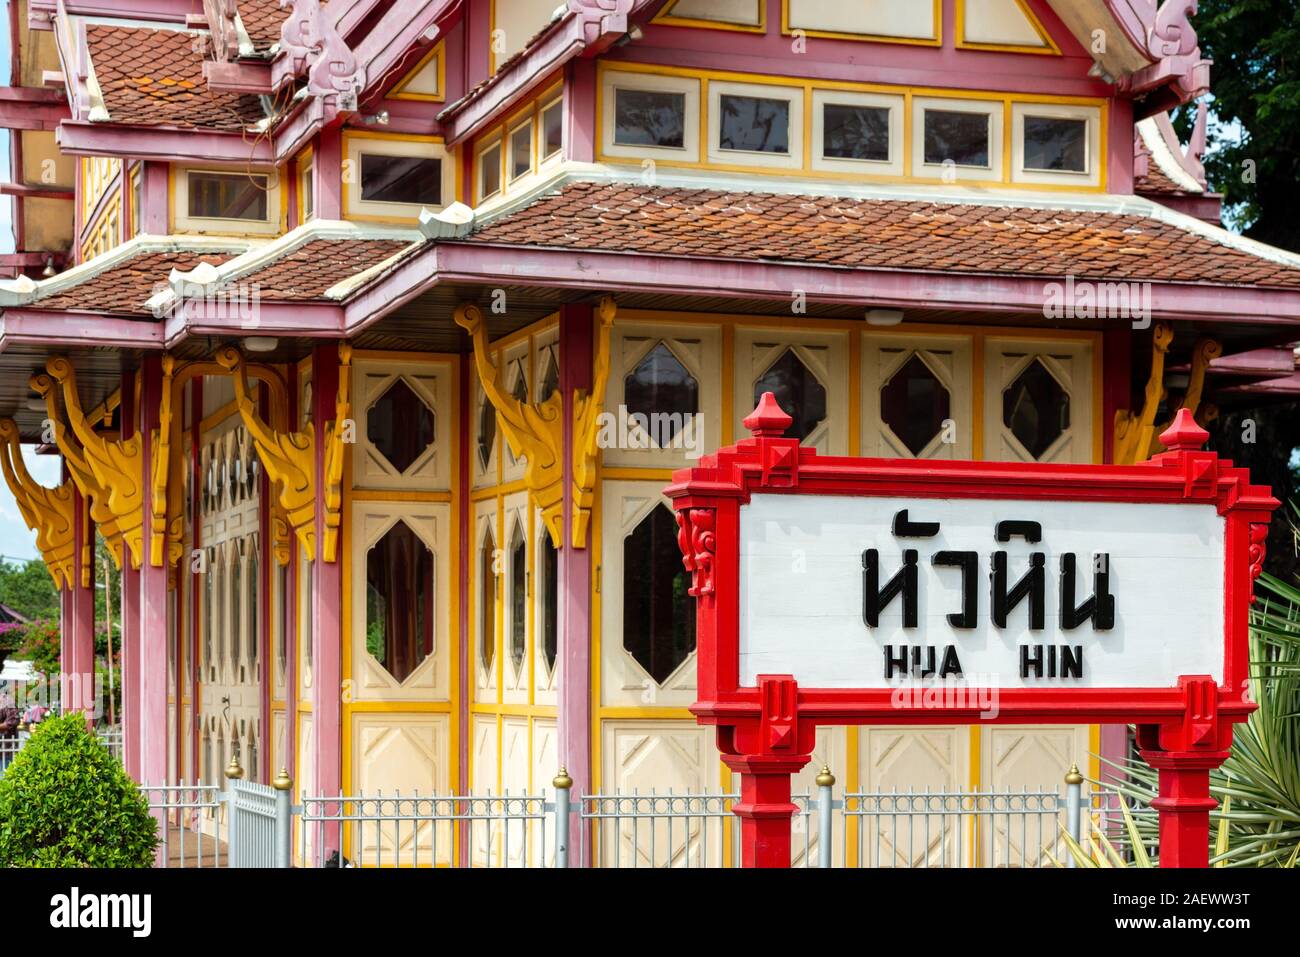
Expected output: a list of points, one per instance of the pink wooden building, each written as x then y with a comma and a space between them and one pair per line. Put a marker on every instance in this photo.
370, 333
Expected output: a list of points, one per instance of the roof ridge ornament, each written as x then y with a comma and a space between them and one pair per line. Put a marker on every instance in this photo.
309, 38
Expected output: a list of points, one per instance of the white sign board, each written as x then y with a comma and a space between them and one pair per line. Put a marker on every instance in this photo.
1142, 604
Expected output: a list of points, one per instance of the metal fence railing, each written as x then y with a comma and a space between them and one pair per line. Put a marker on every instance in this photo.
191, 824
12, 744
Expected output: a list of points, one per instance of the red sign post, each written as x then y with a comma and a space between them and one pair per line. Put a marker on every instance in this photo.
814, 606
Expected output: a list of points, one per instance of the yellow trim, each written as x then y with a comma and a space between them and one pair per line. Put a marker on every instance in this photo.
352, 134
629, 474
1094, 747
807, 171
307, 156
665, 17
660, 713
400, 495
934, 41
976, 760
438, 50
961, 43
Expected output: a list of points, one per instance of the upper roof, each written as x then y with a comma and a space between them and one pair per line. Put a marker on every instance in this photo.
153, 77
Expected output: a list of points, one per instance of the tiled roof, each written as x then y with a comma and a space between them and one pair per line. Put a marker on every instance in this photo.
155, 78
311, 269
878, 234
1156, 182
262, 20
126, 287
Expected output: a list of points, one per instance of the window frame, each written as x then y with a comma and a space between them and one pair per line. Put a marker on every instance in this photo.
543, 158
993, 109
526, 123
1093, 143
793, 96
356, 143
497, 142
270, 226
895, 103
613, 80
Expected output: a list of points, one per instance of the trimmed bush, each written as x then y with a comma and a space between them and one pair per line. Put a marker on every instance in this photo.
66, 802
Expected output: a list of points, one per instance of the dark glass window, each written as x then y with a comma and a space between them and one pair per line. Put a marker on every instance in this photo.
550, 375
1053, 143
661, 385
960, 137
236, 596
254, 612
399, 601
914, 404
487, 602
649, 118
487, 433
552, 129
1036, 409
658, 614
550, 575
518, 599
754, 124
521, 151
400, 426
489, 171
401, 179
227, 196
855, 132
797, 391
519, 391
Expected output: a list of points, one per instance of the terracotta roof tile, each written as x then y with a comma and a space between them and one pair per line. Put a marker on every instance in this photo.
311, 269
1156, 182
878, 234
126, 288
155, 78
262, 20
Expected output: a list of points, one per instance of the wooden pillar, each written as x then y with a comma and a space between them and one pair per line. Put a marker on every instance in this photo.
574, 573
194, 582
130, 605
327, 671
77, 646
154, 633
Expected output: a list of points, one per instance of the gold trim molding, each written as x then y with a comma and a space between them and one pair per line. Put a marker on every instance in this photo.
49, 512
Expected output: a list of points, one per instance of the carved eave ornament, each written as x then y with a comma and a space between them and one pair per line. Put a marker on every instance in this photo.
535, 433
49, 512
314, 47
108, 471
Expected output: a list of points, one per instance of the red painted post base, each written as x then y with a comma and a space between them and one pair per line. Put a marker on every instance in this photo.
765, 809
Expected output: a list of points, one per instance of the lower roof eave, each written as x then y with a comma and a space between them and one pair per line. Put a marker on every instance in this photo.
50, 329
166, 144
601, 272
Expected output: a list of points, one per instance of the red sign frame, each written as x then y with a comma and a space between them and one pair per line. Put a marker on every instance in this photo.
766, 732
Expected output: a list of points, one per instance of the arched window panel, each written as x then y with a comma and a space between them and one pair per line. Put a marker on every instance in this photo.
1039, 403
400, 608
486, 574
658, 614
404, 424
807, 372
546, 589
546, 363
797, 390
663, 401
253, 613
917, 396
234, 662
519, 385
517, 585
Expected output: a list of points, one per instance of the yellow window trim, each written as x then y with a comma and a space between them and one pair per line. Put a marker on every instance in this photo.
399, 91
665, 17
933, 41
349, 135
960, 41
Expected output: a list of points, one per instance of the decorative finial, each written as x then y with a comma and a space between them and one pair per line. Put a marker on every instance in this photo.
768, 420
825, 779
562, 781
233, 770
1184, 435
1074, 777
282, 780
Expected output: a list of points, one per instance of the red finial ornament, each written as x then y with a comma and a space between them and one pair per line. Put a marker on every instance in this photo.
1184, 435
768, 420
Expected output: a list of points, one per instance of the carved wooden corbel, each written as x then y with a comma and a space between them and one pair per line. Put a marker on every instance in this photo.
337, 439
288, 457
1207, 350
534, 431
1134, 432
165, 520
586, 415
116, 465
49, 512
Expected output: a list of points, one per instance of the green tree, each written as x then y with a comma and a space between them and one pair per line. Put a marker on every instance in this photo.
27, 588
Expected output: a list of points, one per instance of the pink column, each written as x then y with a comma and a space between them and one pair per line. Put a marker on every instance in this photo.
193, 582
465, 536
154, 199
574, 572
328, 183
77, 691
151, 664
327, 669
130, 606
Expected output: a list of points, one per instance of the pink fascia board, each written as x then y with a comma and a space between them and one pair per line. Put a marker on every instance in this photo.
39, 12
162, 143
594, 271
1283, 386
400, 28
1256, 362
238, 76
30, 108
76, 329
308, 320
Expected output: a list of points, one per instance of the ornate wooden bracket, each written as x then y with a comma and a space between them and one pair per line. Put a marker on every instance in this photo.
1134, 433
586, 414
1207, 350
288, 457
49, 512
108, 471
165, 520
534, 431
337, 437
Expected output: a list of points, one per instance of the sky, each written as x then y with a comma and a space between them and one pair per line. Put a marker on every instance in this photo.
16, 541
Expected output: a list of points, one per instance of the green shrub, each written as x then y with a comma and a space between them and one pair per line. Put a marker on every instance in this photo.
66, 802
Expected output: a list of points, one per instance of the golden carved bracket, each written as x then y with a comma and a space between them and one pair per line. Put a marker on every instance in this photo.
534, 431
288, 457
49, 512
1134, 432
586, 415
108, 471
1207, 350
